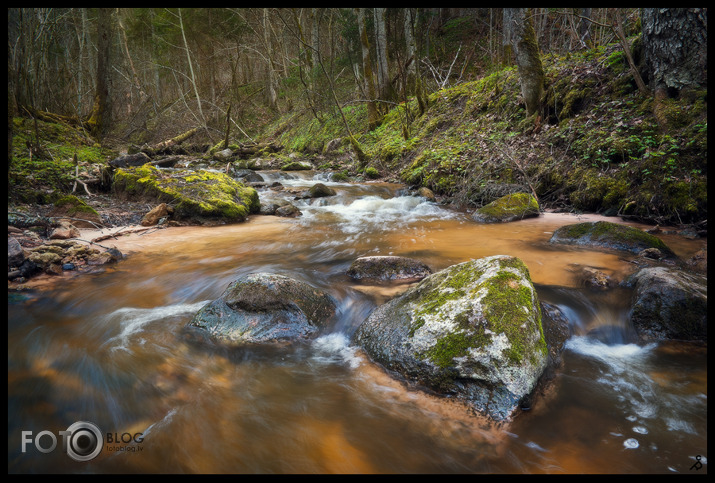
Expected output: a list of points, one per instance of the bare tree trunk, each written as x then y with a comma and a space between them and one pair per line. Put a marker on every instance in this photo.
191, 70
271, 95
383, 75
155, 59
519, 32
100, 118
410, 52
372, 113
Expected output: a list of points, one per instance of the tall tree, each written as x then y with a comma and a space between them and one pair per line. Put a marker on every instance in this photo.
384, 87
99, 119
271, 95
372, 113
519, 33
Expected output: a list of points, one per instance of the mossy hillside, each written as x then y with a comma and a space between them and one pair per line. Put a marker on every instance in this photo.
44, 158
76, 208
201, 193
597, 145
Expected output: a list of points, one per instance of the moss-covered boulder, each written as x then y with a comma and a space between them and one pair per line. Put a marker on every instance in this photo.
669, 304
388, 269
515, 206
472, 330
266, 308
297, 166
613, 236
195, 195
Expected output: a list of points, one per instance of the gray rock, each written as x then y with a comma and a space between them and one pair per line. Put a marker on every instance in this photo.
319, 190
613, 236
266, 308
138, 159
472, 331
289, 210
15, 255
388, 268
669, 304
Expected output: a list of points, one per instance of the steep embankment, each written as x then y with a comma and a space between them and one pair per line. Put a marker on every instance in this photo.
597, 147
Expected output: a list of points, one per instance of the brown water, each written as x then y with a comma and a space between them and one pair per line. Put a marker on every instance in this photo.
109, 348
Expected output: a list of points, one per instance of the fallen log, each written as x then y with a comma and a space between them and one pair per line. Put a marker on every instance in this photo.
164, 146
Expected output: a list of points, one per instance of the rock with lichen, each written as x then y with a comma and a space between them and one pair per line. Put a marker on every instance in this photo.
472, 330
515, 206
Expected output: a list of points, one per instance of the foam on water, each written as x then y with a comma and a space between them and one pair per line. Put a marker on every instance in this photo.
132, 320
619, 357
335, 347
372, 212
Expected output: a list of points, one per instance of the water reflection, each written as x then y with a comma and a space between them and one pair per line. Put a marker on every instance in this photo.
111, 348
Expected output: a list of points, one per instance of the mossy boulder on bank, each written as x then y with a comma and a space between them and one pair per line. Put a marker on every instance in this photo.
194, 195
604, 234
266, 308
472, 331
511, 207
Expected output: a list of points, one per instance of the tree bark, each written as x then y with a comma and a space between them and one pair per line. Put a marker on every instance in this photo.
99, 119
519, 32
676, 49
384, 86
271, 95
372, 114
164, 145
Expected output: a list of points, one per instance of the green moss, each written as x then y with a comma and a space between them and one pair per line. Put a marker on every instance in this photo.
610, 235
371, 172
457, 343
504, 300
503, 305
74, 206
509, 207
194, 194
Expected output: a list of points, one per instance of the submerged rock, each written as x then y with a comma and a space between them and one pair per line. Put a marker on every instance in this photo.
511, 207
472, 331
669, 304
266, 307
604, 234
388, 269
319, 190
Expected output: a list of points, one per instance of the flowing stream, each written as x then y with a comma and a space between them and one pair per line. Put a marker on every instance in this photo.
109, 348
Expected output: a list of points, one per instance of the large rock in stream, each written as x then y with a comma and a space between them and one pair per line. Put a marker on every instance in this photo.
516, 206
612, 236
266, 308
472, 331
669, 303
